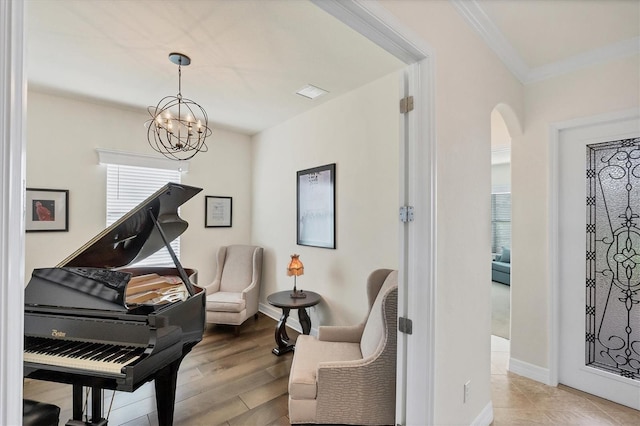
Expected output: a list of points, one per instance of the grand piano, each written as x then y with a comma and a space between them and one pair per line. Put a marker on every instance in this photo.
95, 323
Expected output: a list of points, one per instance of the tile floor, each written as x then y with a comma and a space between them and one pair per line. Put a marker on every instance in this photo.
521, 401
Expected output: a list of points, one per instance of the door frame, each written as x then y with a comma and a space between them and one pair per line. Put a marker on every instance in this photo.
417, 258
13, 94
553, 240
415, 386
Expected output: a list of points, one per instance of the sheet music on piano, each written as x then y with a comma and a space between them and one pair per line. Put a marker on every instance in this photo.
94, 322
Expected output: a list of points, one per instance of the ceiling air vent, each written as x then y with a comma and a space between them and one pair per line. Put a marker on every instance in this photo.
311, 92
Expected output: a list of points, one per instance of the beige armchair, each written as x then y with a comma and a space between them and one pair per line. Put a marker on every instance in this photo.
233, 295
348, 374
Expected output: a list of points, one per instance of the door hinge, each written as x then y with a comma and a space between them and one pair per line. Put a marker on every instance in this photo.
405, 325
406, 214
406, 104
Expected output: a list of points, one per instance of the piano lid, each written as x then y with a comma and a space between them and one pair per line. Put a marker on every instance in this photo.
134, 236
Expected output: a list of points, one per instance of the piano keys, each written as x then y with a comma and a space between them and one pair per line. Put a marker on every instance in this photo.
91, 321
79, 355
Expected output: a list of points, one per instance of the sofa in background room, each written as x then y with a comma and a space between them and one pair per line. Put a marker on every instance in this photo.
501, 267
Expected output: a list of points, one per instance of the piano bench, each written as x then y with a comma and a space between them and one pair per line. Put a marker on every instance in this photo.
36, 413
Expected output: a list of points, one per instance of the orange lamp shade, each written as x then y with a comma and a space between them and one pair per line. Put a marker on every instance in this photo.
295, 268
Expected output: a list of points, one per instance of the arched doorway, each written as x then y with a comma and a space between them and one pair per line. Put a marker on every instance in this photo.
503, 125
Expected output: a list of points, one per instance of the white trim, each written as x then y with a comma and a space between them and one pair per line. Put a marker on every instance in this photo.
421, 262
378, 25
553, 251
416, 359
477, 19
584, 60
553, 238
610, 376
530, 371
402, 339
106, 156
485, 418
13, 93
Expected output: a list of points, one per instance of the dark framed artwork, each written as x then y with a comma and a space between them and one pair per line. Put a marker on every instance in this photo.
316, 202
47, 210
217, 211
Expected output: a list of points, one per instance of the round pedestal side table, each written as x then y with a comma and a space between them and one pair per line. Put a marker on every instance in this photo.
284, 301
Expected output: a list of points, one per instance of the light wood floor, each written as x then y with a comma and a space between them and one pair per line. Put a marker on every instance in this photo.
228, 380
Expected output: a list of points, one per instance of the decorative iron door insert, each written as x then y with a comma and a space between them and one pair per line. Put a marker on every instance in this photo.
613, 257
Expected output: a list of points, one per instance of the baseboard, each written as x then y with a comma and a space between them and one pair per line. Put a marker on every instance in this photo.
292, 321
530, 371
485, 418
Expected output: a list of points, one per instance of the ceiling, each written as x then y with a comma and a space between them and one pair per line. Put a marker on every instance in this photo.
249, 57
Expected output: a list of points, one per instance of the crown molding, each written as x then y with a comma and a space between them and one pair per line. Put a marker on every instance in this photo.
477, 19
585, 60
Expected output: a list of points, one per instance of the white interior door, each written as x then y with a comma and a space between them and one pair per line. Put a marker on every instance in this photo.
599, 259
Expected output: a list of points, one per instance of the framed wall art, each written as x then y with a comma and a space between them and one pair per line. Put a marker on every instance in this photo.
47, 210
217, 212
316, 201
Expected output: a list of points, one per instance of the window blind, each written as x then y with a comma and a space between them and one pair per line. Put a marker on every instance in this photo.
128, 186
500, 221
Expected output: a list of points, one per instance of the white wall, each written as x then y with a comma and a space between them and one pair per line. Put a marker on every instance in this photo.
359, 132
469, 82
611, 87
62, 136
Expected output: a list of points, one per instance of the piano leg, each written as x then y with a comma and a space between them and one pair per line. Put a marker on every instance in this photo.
165, 383
77, 401
96, 407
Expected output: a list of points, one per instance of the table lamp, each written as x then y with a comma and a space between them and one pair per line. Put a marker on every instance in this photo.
296, 268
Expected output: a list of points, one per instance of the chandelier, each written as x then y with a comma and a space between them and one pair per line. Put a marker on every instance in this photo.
178, 126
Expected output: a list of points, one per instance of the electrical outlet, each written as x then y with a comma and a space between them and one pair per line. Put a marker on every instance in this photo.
467, 391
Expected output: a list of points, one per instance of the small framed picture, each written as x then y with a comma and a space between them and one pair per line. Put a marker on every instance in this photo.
47, 210
217, 212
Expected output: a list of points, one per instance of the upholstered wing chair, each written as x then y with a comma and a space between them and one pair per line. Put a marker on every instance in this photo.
348, 374
233, 295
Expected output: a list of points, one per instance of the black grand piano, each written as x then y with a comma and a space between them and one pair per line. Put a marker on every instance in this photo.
92, 322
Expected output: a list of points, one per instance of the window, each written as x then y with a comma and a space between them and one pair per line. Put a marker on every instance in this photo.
128, 186
500, 221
